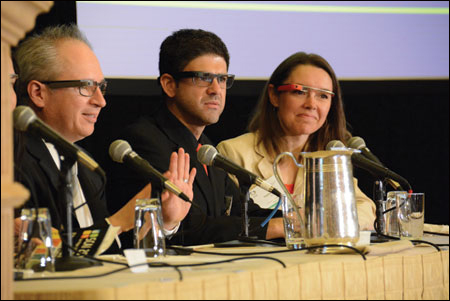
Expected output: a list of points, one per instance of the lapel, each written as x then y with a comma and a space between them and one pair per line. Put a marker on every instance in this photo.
265, 168
180, 136
37, 149
209, 183
91, 184
39, 152
264, 164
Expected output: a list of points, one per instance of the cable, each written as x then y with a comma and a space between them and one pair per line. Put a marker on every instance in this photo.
337, 245
397, 238
156, 265
268, 242
104, 274
272, 213
153, 264
163, 264
378, 231
426, 242
267, 252
435, 233
234, 259
190, 251
74, 277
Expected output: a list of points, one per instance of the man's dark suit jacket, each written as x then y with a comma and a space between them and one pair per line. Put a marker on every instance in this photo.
154, 139
36, 170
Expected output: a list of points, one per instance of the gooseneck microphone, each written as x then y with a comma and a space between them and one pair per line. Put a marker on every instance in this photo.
120, 151
208, 154
359, 143
25, 120
371, 166
335, 143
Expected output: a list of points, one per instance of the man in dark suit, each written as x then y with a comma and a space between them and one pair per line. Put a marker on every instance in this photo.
61, 80
193, 75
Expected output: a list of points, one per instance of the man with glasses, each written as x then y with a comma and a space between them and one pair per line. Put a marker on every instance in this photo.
61, 80
194, 79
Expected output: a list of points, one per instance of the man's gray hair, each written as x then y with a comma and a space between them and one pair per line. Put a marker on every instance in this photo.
37, 58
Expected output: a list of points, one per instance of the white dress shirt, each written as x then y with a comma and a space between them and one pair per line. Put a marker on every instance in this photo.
82, 212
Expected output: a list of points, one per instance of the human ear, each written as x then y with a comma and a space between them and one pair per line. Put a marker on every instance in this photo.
273, 97
37, 92
168, 84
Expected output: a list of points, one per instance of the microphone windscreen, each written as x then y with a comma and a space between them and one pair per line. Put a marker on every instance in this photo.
356, 143
334, 143
118, 149
23, 116
206, 154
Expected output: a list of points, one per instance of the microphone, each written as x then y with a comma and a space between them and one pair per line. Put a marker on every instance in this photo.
208, 154
335, 143
359, 143
371, 166
26, 120
120, 151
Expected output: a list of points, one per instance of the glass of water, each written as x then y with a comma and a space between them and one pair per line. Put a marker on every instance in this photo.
390, 212
148, 234
411, 216
34, 248
292, 224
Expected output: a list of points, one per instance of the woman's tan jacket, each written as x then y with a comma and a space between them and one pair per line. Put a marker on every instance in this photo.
244, 151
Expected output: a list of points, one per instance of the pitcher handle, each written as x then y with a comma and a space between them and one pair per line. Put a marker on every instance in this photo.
286, 192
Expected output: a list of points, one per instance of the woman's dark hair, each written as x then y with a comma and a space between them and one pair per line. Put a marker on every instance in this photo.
265, 119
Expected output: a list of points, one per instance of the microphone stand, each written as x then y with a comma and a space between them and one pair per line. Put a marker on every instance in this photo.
243, 240
157, 188
379, 193
245, 198
244, 188
68, 262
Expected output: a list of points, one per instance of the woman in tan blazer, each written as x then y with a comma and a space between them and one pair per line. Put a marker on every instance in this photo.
300, 110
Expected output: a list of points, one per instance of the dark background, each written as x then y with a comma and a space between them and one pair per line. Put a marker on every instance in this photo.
404, 122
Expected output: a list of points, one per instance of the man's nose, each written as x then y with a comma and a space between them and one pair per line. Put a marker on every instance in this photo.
98, 98
215, 86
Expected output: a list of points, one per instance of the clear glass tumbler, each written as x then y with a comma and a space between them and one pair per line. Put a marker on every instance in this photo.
34, 248
148, 234
411, 216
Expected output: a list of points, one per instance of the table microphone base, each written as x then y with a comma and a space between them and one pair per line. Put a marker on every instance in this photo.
70, 263
242, 241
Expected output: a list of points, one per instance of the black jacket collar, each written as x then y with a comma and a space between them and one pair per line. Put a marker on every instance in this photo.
181, 136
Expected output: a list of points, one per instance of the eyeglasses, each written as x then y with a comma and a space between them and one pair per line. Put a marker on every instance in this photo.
302, 91
13, 77
86, 87
205, 79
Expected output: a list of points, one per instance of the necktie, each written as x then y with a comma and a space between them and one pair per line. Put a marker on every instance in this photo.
81, 209
204, 165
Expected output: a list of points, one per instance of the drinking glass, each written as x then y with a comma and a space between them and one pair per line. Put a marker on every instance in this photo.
34, 249
148, 233
411, 216
292, 224
390, 212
